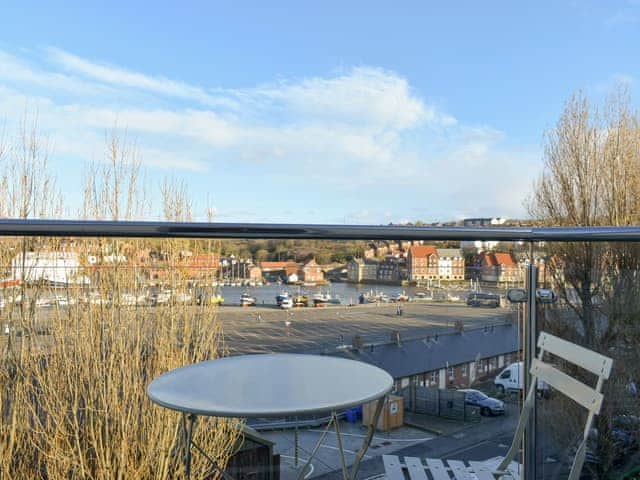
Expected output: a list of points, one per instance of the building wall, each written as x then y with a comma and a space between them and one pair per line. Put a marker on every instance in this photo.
354, 271
311, 272
58, 267
462, 375
422, 268
255, 274
370, 271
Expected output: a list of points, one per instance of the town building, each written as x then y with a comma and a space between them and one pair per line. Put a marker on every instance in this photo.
255, 273
58, 268
362, 270
481, 245
422, 263
446, 360
391, 268
311, 272
500, 268
201, 265
450, 264
280, 268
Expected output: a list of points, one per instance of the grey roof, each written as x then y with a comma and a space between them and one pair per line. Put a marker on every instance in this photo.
422, 355
449, 252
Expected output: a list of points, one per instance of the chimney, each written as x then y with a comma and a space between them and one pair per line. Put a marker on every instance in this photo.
357, 342
395, 337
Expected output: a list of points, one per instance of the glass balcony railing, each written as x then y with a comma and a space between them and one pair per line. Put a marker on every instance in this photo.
92, 312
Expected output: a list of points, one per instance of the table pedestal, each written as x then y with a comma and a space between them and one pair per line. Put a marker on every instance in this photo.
188, 423
346, 474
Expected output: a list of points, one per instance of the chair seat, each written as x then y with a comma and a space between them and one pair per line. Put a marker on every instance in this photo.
414, 468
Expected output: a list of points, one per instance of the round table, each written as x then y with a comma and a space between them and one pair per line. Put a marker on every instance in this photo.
272, 385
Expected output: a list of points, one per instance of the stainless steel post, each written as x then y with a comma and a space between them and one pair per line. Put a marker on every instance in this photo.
529, 345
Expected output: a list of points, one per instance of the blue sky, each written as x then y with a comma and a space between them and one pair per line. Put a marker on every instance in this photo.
331, 112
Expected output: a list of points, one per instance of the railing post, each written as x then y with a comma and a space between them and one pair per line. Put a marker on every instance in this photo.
529, 346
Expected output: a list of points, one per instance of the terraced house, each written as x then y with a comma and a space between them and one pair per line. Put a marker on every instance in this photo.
422, 263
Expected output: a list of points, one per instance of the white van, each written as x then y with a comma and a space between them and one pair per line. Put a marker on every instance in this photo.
512, 378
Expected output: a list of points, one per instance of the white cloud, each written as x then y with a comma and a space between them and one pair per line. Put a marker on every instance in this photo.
383, 98
623, 78
113, 75
360, 130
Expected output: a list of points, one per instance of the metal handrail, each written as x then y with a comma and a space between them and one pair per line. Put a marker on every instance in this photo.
99, 228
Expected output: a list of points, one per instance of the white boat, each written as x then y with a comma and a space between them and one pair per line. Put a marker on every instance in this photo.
286, 303
127, 299
64, 301
321, 299
161, 298
383, 297
247, 300
400, 297
44, 302
94, 298
281, 297
182, 297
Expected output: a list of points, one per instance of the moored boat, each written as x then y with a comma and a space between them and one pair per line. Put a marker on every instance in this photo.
247, 300
281, 297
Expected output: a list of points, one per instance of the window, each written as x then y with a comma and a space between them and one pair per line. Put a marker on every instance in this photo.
434, 377
506, 374
464, 370
450, 372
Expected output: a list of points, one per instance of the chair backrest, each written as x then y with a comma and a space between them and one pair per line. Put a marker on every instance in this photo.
586, 396
590, 398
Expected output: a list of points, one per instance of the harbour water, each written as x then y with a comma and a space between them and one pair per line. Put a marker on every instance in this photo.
347, 293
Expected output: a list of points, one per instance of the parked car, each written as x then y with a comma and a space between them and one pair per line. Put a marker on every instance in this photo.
488, 405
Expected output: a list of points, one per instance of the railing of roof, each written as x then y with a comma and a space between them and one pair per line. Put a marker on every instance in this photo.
86, 228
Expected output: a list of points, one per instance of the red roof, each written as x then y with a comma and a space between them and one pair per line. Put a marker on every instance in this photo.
488, 259
422, 250
504, 259
204, 258
276, 265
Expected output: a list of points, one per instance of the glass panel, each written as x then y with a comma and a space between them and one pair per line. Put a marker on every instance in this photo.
598, 308
433, 315
87, 324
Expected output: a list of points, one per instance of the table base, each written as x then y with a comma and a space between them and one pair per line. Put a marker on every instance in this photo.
188, 423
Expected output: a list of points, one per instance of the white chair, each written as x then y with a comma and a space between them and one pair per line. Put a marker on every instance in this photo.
590, 398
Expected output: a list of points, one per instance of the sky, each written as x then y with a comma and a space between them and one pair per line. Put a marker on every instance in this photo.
359, 112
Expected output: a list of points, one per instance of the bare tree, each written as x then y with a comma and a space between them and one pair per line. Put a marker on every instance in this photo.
114, 189
177, 206
590, 178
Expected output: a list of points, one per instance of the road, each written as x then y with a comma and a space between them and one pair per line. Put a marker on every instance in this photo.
487, 439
